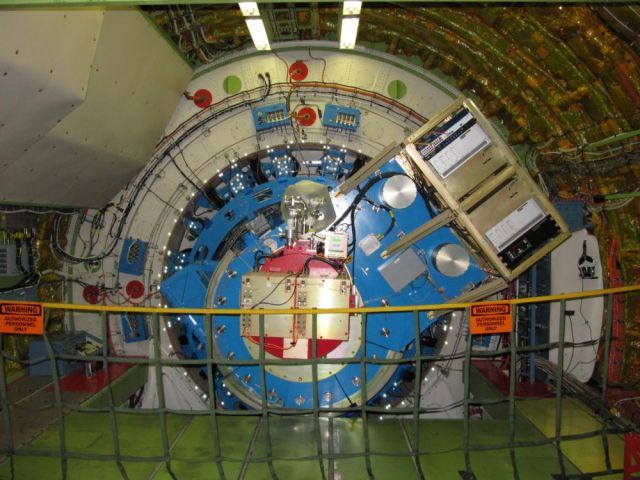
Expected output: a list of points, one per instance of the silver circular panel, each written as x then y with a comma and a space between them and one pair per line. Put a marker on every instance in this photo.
399, 191
451, 259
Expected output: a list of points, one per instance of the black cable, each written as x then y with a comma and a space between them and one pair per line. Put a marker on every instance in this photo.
317, 258
201, 214
188, 179
281, 303
370, 342
273, 290
142, 183
186, 164
351, 404
28, 281
18, 259
257, 257
391, 225
31, 276
595, 352
92, 231
213, 116
361, 194
324, 63
55, 234
299, 164
258, 254
159, 197
389, 212
135, 400
113, 222
427, 193
30, 256
355, 246
573, 340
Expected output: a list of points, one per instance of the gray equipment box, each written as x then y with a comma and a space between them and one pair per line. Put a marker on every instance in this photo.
403, 269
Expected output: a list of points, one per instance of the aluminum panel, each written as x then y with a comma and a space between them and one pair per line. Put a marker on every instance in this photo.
95, 88
266, 290
325, 293
403, 269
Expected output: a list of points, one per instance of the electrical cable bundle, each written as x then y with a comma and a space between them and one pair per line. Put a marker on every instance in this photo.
259, 255
389, 212
574, 386
362, 193
126, 211
335, 265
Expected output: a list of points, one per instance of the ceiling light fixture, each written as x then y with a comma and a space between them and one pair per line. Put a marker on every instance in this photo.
349, 32
255, 25
350, 22
351, 8
249, 9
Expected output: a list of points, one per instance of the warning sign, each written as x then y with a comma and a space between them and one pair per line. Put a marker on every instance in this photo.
22, 318
490, 318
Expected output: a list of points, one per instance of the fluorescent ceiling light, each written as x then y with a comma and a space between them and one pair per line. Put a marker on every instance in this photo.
349, 32
249, 9
255, 25
351, 8
258, 33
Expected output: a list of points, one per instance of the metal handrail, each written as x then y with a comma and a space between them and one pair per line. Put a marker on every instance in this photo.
157, 362
319, 311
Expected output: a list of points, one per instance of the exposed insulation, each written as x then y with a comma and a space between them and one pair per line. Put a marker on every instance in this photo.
49, 289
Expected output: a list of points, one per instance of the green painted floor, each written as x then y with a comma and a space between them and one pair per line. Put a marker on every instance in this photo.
244, 444
294, 446
587, 454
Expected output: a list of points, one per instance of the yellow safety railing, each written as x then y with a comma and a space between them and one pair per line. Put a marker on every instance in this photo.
310, 311
325, 459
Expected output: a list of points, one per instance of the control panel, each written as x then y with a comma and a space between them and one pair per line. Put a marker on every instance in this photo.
133, 257
335, 245
270, 116
343, 118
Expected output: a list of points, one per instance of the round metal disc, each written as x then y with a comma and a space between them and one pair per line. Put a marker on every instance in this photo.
451, 259
399, 192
